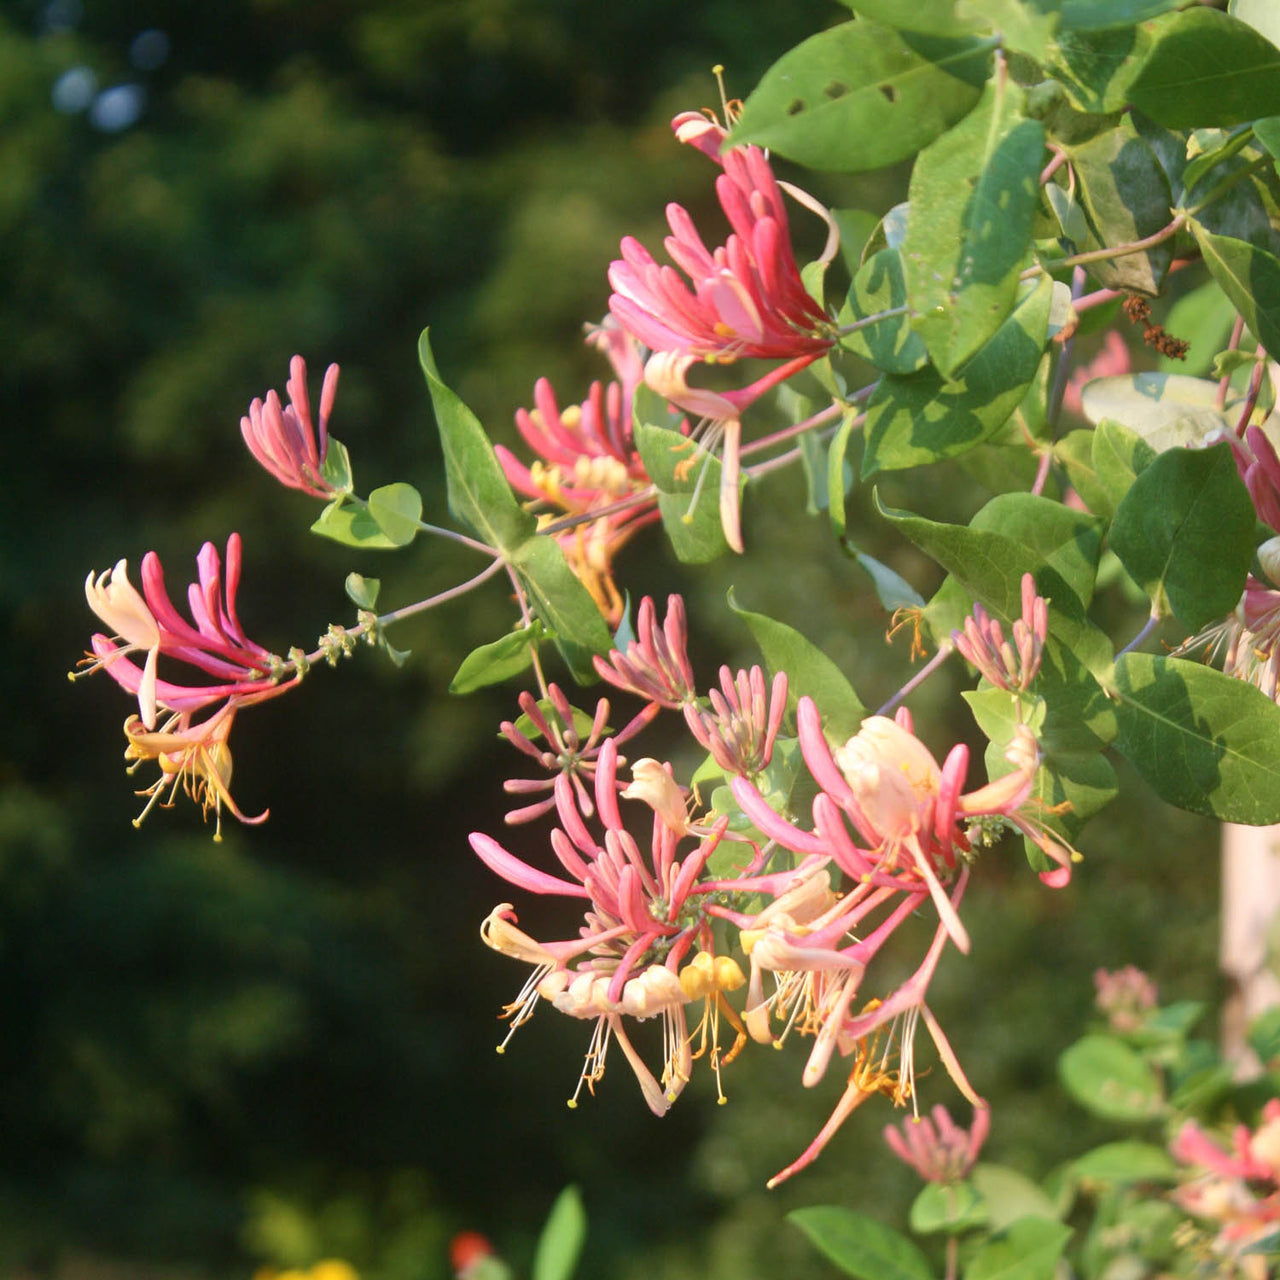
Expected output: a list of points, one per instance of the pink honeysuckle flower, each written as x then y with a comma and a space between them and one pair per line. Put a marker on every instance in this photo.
644, 914
656, 664
1126, 996
586, 463
740, 729
937, 1148
1248, 639
283, 438
190, 752
1005, 664
1259, 468
744, 298
563, 751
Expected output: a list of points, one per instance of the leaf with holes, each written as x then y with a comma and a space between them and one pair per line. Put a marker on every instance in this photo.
861, 96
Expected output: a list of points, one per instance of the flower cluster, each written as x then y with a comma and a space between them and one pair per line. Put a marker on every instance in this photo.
183, 727
284, 440
1236, 1190
937, 1148
668, 923
1127, 996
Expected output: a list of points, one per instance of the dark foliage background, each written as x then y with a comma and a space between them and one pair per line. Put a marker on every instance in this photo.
280, 1047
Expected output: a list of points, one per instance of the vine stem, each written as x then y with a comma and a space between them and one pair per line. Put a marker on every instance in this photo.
945, 650
1147, 628
1255, 385
1224, 383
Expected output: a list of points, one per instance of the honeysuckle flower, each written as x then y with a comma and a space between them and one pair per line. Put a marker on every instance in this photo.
744, 298
656, 664
586, 462
283, 438
740, 729
1259, 468
1237, 1190
1126, 996
936, 1147
563, 752
191, 753
1248, 639
1007, 664
644, 915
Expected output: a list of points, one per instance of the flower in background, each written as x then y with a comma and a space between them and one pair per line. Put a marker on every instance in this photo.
744, 298
1238, 1191
284, 440
937, 1148
191, 753
1112, 359
586, 463
1125, 995
1007, 665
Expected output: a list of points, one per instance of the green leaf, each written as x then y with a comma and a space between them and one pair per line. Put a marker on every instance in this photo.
861, 96
973, 193
1099, 15
1122, 1162
1249, 276
497, 661
1268, 133
860, 1246
677, 466
890, 343
1023, 28
1010, 1195
352, 526
1061, 554
1264, 1037
836, 470
923, 418
1025, 1250
479, 494
560, 1243
1167, 410
928, 17
1103, 463
953, 1208
397, 510
892, 589
1205, 741
1112, 1080
1126, 197
336, 468
1185, 533
362, 591
563, 604
1096, 68
1208, 68
809, 671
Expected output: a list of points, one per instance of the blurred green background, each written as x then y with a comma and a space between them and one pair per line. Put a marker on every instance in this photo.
280, 1047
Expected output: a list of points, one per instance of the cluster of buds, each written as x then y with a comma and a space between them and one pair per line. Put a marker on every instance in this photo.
1010, 665
1126, 996
887, 840
937, 1148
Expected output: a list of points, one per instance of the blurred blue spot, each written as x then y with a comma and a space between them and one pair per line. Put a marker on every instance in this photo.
149, 50
118, 107
73, 90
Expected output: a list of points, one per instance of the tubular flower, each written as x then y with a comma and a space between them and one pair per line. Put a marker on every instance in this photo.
1259, 468
191, 753
744, 298
563, 751
1005, 664
740, 729
938, 1149
1248, 640
1238, 1190
284, 440
586, 462
644, 915
656, 665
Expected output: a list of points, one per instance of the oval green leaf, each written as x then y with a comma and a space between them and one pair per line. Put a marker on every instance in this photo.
497, 661
860, 1246
1028, 1249
1250, 277
861, 96
397, 510
1124, 1162
1113, 1081
1205, 741
560, 1243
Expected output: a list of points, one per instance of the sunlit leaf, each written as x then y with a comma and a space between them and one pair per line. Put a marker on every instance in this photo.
1112, 1080
497, 661
1028, 1249
397, 510
1249, 276
861, 96
861, 1246
560, 1244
